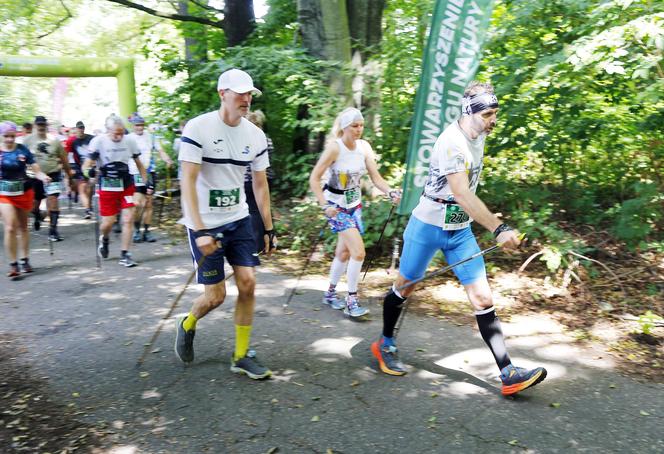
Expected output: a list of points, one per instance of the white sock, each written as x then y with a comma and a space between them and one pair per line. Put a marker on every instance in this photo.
353, 274
337, 270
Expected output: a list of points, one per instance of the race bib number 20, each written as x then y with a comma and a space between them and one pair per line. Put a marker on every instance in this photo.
223, 198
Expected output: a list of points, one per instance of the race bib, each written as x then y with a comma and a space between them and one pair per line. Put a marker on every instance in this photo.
11, 188
222, 199
54, 187
352, 195
454, 218
112, 184
138, 180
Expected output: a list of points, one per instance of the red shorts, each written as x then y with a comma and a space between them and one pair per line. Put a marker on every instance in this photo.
23, 201
112, 202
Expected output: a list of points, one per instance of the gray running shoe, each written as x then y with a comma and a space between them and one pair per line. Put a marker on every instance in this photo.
137, 237
184, 341
353, 308
103, 247
332, 300
250, 366
127, 261
148, 237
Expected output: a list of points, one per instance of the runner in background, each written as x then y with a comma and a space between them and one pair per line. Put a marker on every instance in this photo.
77, 148
147, 145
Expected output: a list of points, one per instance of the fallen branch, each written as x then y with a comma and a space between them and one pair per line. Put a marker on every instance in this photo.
603, 266
530, 259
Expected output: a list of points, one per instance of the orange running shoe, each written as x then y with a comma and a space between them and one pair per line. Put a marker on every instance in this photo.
516, 379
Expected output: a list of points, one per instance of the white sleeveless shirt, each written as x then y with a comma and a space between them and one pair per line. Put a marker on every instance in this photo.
343, 185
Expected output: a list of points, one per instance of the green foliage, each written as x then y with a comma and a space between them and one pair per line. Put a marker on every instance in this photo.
292, 83
638, 217
647, 322
581, 89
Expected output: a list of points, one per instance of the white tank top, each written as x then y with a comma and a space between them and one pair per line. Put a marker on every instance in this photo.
343, 185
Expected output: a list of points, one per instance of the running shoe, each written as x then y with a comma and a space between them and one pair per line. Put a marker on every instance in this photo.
14, 271
88, 214
332, 300
516, 379
103, 247
184, 341
127, 261
137, 237
54, 237
148, 237
388, 359
353, 308
25, 266
250, 366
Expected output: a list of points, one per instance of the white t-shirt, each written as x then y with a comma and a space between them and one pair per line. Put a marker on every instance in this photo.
145, 143
453, 152
109, 151
345, 174
223, 152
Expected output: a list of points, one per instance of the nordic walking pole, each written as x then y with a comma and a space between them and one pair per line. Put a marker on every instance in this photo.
441, 271
218, 237
306, 264
380, 239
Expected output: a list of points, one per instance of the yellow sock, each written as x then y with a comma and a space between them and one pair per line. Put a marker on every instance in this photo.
189, 322
242, 336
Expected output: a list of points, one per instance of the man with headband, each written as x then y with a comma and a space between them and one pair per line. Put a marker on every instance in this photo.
441, 221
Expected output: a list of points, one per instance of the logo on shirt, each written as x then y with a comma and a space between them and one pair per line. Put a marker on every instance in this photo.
246, 150
218, 141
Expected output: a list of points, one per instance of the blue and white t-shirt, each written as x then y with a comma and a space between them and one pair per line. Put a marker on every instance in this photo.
223, 152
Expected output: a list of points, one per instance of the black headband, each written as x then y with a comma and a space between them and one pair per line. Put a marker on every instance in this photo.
477, 103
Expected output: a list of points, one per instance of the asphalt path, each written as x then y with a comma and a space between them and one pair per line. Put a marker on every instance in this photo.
85, 329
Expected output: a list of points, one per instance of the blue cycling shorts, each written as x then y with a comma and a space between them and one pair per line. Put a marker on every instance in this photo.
422, 240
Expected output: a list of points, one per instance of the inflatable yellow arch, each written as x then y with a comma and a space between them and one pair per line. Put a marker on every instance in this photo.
120, 68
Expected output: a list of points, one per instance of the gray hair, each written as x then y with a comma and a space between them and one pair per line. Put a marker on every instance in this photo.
113, 120
257, 117
476, 87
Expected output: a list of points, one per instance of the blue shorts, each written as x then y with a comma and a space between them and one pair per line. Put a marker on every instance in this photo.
238, 246
422, 240
346, 218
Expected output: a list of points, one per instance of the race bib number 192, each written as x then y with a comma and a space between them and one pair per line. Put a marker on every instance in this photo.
224, 198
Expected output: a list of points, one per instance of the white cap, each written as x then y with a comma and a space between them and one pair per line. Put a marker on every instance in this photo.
238, 81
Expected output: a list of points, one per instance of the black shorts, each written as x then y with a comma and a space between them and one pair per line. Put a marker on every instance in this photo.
152, 179
78, 175
238, 246
38, 187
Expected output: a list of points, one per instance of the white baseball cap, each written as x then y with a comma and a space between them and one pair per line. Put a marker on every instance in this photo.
238, 81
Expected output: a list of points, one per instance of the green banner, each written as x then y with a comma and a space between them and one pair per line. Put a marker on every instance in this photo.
450, 62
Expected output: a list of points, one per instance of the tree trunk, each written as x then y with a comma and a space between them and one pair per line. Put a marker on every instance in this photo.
325, 35
194, 49
239, 21
365, 24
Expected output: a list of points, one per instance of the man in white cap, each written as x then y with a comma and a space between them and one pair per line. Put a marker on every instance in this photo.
215, 149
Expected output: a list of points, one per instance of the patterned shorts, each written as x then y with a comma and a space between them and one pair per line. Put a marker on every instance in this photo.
346, 218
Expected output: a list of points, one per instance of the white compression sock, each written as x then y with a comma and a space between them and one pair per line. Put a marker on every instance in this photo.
337, 270
353, 274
